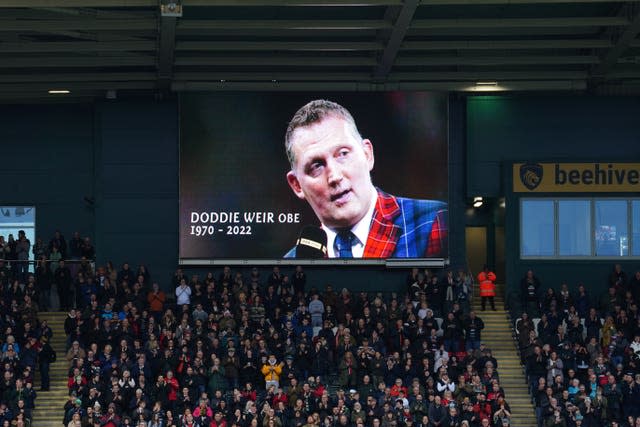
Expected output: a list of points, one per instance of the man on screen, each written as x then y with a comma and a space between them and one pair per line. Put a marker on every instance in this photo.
330, 169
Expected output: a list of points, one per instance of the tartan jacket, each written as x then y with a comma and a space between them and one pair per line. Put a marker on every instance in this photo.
405, 228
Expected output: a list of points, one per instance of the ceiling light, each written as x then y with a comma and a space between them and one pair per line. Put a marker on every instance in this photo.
487, 83
59, 91
477, 202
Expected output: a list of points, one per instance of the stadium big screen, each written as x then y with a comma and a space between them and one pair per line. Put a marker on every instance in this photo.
241, 199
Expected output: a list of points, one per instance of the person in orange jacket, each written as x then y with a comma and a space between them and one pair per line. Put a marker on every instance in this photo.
487, 279
271, 371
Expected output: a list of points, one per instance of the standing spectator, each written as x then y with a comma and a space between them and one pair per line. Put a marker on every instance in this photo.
75, 246
44, 278
183, 295
11, 253
299, 280
275, 279
156, 299
126, 274
452, 333
618, 279
39, 249
64, 285
46, 356
57, 241
272, 371
435, 295
473, 327
23, 247
348, 371
88, 251
54, 258
316, 308
554, 367
530, 292
487, 280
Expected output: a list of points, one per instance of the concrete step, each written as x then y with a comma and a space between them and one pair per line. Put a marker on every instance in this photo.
498, 336
49, 410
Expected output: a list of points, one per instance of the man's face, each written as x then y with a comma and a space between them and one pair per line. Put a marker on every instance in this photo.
331, 171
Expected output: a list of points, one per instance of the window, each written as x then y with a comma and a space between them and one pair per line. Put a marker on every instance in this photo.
537, 228
635, 227
578, 227
612, 228
16, 218
574, 226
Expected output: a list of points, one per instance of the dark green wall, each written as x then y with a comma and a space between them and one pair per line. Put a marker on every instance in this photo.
137, 194
47, 161
122, 155
507, 129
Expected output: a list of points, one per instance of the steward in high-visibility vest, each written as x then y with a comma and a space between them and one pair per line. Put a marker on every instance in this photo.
486, 278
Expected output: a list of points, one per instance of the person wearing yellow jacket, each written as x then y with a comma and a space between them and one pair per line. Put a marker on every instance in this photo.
271, 371
487, 279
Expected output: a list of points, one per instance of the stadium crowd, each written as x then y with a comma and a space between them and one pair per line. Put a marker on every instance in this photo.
266, 350
582, 353
262, 351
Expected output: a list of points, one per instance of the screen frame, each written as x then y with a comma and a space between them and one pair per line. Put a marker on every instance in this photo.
431, 262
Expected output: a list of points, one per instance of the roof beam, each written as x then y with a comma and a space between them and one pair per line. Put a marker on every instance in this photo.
123, 46
303, 3
269, 77
98, 85
622, 44
509, 2
288, 3
395, 76
420, 24
276, 61
8, 25
596, 21
532, 85
78, 77
497, 60
287, 24
399, 31
350, 61
292, 3
77, 3
89, 61
507, 44
324, 46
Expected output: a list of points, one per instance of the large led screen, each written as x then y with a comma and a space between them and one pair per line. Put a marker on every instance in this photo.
267, 176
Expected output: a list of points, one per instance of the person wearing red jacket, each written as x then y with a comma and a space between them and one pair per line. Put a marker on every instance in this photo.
482, 408
487, 279
218, 421
280, 396
397, 388
173, 384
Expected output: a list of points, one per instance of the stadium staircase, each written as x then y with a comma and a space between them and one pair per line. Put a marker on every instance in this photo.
498, 336
49, 405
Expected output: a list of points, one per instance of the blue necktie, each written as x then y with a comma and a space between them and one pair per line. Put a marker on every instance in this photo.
344, 241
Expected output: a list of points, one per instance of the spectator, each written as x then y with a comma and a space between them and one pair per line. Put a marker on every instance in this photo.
316, 308
64, 284
183, 295
58, 242
473, 327
529, 290
271, 372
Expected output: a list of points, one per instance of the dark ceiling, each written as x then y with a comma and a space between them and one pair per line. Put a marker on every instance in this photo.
117, 47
